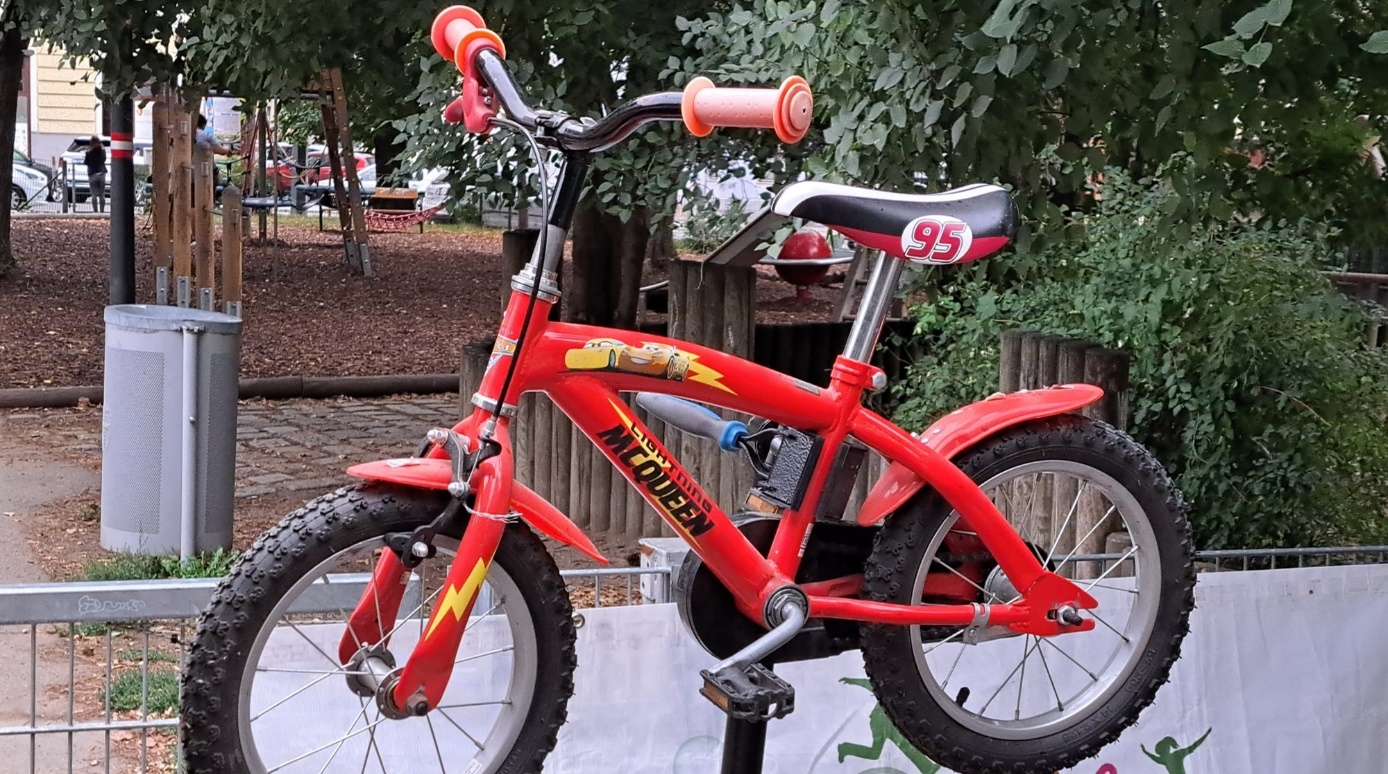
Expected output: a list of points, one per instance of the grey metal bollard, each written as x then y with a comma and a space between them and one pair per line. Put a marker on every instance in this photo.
168, 429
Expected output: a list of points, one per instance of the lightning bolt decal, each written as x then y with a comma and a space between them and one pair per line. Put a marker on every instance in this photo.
698, 372
457, 598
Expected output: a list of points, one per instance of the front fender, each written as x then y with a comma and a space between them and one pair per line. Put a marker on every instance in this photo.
436, 473
965, 427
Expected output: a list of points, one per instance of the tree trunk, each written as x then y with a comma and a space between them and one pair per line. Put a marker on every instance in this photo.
607, 258
12, 46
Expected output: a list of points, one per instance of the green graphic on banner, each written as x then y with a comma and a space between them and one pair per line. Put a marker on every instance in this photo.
1171, 757
882, 732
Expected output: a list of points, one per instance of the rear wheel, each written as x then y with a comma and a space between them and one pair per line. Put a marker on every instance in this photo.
1095, 508
264, 691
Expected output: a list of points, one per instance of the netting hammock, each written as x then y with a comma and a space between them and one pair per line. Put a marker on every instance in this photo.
377, 220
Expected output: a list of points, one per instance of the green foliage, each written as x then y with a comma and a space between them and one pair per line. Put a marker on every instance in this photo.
1036, 93
146, 567
707, 225
130, 690
1250, 378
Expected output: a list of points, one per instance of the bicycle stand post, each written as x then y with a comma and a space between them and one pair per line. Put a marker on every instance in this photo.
751, 696
744, 746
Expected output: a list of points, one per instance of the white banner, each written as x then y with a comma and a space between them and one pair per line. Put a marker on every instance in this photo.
1284, 672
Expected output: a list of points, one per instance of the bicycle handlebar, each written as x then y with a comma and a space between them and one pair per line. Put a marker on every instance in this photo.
693, 419
460, 36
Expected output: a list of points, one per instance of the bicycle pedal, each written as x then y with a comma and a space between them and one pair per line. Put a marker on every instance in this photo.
755, 693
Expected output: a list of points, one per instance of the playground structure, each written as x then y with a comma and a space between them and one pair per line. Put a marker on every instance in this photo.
184, 198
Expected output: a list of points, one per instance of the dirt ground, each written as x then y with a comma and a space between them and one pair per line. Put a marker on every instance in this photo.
306, 314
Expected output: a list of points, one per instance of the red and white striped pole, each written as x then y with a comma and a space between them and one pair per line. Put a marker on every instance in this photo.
122, 200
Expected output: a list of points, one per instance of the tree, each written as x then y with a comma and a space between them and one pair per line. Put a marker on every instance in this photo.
126, 40
12, 45
585, 60
1039, 94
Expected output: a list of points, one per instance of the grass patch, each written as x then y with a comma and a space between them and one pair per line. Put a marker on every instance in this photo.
90, 512
128, 688
153, 657
145, 567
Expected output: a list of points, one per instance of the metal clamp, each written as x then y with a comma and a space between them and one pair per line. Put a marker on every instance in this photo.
972, 632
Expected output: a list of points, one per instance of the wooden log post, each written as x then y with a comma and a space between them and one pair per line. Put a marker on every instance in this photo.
714, 306
1096, 516
516, 248
181, 203
162, 149
1065, 489
1029, 362
1010, 361
231, 251
204, 271
470, 371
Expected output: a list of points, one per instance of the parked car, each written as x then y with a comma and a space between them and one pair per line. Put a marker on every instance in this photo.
20, 157
75, 179
29, 186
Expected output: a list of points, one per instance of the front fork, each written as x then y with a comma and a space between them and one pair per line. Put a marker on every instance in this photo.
419, 685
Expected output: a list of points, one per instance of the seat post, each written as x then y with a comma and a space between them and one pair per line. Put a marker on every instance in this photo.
872, 310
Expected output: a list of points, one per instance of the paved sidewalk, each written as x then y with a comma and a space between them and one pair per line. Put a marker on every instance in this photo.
282, 446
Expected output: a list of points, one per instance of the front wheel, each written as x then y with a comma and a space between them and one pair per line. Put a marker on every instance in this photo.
1098, 510
264, 692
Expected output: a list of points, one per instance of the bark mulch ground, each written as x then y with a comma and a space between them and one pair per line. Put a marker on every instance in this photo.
306, 313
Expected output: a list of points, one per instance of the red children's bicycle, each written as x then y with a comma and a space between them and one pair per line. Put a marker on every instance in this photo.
1018, 581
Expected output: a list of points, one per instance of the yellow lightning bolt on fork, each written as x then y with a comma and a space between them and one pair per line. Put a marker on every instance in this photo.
457, 598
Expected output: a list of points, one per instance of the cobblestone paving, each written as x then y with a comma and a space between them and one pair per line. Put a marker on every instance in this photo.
305, 445
282, 446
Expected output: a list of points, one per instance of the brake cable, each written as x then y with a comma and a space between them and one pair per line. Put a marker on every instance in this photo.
535, 283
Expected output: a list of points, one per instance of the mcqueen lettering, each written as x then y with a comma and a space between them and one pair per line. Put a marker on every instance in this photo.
666, 484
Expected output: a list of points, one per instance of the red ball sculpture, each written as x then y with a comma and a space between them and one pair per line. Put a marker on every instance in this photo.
801, 246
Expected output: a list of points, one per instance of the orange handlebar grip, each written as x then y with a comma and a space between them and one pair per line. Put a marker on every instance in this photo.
787, 110
458, 27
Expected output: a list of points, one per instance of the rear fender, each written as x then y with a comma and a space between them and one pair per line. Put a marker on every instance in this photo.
436, 473
967, 426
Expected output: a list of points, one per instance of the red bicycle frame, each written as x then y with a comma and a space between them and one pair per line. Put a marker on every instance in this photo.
582, 369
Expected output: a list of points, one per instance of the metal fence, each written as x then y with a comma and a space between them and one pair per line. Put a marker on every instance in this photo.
103, 658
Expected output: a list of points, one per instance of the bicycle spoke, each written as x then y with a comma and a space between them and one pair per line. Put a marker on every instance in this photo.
1021, 682
1070, 657
343, 610
1101, 620
941, 562
371, 745
1005, 681
1059, 705
952, 667
437, 750
449, 718
338, 741
286, 671
321, 652
360, 715
1097, 523
1112, 588
506, 702
475, 620
262, 713
942, 642
476, 656
1074, 506
1115, 566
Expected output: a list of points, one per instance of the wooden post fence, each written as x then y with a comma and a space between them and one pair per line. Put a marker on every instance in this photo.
162, 249
231, 250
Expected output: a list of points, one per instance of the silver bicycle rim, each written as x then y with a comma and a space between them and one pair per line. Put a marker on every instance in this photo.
447, 739
1022, 671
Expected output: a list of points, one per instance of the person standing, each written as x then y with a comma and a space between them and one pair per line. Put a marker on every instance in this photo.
95, 160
